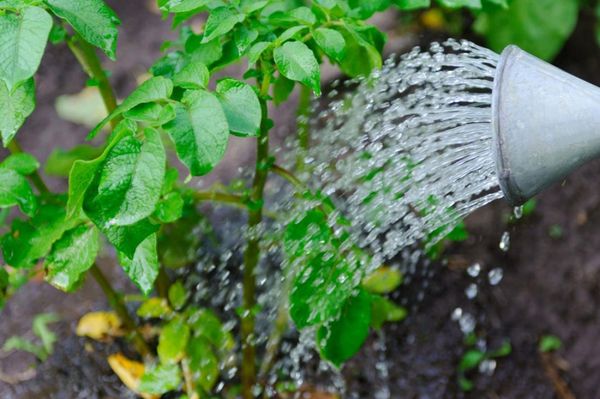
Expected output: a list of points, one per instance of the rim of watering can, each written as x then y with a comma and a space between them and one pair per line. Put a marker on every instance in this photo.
511, 191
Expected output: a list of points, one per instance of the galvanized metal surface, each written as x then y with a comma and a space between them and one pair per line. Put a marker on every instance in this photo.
546, 123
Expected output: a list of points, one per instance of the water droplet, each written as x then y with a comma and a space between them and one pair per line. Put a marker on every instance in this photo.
487, 367
471, 291
495, 276
474, 270
505, 242
518, 212
457, 314
467, 323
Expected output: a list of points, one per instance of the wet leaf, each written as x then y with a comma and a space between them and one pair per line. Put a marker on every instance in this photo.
173, 341
160, 379
384, 310
220, 21
71, 257
256, 51
195, 75
154, 89
471, 359
15, 190
170, 208
200, 132
203, 363
143, 268
476, 4
204, 323
340, 339
22, 163
16, 105
241, 106
383, 280
178, 295
331, 42
23, 39
92, 19
361, 56
155, 308
412, 4
297, 62
128, 183
99, 325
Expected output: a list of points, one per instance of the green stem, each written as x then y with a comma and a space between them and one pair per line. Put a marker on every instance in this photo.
117, 304
35, 178
225, 198
303, 126
87, 57
162, 283
252, 252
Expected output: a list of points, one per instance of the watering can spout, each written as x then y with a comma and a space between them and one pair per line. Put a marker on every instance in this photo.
546, 123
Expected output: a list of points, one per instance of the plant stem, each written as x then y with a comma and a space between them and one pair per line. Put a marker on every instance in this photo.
35, 178
303, 126
117, 304
252, 252
87, 57
225, 198
162, 283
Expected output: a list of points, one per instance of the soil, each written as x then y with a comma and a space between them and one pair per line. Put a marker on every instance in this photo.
550, 285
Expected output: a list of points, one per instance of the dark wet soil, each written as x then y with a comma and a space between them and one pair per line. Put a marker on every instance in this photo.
550, 285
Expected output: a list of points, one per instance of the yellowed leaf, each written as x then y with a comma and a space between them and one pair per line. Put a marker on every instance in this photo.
129, 372
85, 108
100, 325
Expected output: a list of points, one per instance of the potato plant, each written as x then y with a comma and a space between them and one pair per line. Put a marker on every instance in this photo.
123, 193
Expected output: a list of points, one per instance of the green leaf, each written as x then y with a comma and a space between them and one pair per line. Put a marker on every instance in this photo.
41, 330
550, 343
195, 75
412, 4
29, 241
126, 239
243, 38
297, 62
71, 257
15, 190
384, 310
22, 163
340, 339
476, 4
16, 106
200, 132
178, 295
160, 379
23, 39
154, 89
290, 33
152, 114
128, 183
304, 15
361, 57
203, 363
204, 323
169, 208
540, 27
179, 6
241, 106
21, 344
331, 42
221, 21
282, 89
92, 19
383, 280
154, 308
143, 268
471, 359
256, 51
173, 341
